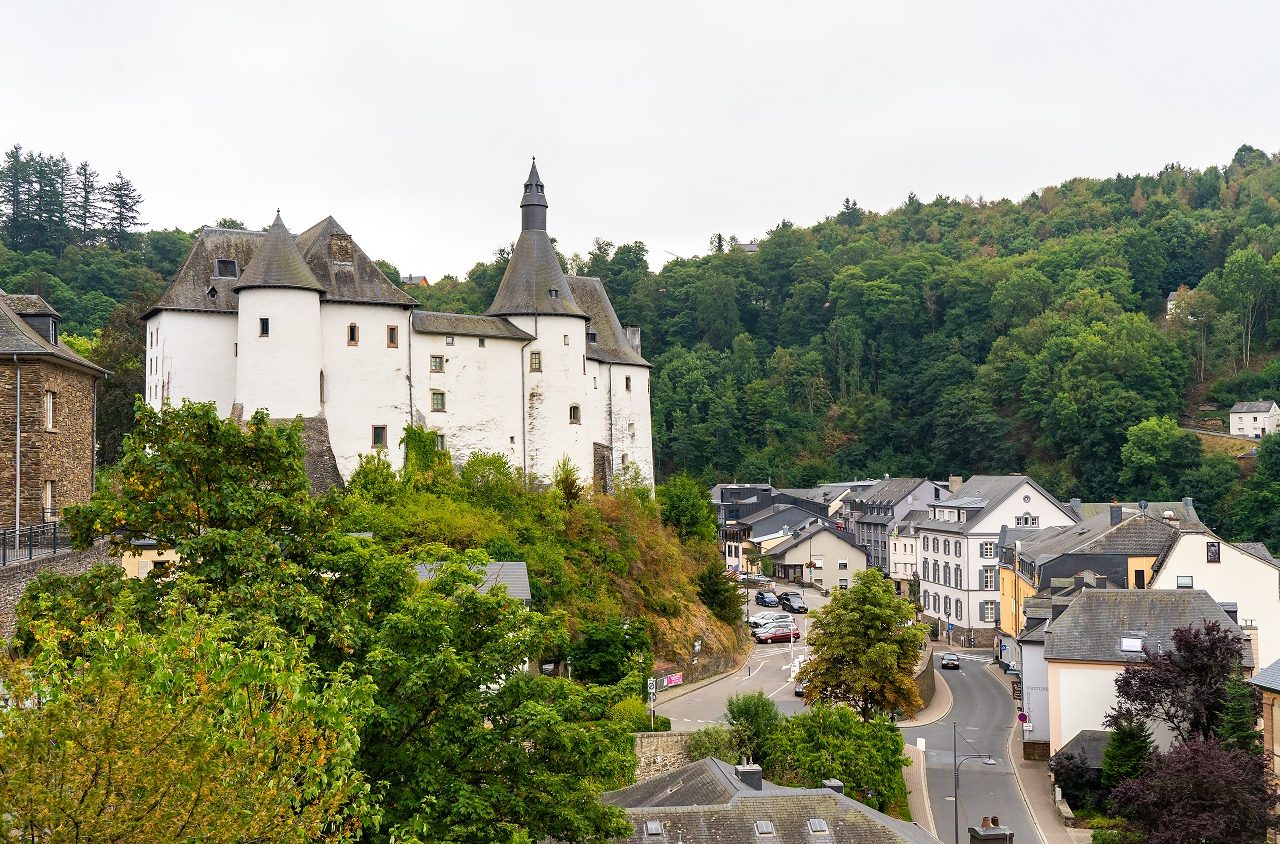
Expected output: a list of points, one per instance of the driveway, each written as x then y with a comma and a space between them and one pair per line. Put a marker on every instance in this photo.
982, 715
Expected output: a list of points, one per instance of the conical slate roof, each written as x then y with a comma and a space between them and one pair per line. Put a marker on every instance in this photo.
534, 192
278, 263
534, 283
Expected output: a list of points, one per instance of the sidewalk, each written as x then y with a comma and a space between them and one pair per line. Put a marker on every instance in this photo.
668, 695
1037, 787
918, 790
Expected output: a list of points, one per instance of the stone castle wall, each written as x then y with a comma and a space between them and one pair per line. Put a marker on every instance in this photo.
15, 577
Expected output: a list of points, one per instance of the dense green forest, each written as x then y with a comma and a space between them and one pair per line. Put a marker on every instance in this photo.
949, 337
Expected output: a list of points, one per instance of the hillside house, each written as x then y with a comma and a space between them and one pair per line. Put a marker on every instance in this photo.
1254, 419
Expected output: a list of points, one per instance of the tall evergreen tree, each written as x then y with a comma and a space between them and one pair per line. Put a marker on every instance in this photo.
87, 212
1238, 728
123, 201
1127, 750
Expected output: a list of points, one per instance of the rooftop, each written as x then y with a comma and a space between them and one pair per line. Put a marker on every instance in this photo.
1253, 406
19, 338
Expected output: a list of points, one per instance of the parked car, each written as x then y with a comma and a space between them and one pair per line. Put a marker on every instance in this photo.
765, 619
757, 581
766, 599
792, 602
950, 660
800, 687
778, 633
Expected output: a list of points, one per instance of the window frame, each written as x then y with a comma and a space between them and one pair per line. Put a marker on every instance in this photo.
575, 414
217, 267
353, 334
393, 336
50, 410
535, 361
438, 406
374, 437
264, 326
436, 363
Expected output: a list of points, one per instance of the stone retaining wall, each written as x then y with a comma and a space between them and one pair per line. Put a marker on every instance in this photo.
15, 577
658, 753
925, 679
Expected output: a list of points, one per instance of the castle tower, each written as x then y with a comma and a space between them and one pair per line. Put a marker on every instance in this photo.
278, 350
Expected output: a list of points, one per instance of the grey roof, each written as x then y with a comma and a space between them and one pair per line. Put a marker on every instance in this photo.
432, 322
1258, 550
1253, 406
513, 575
876, 519
27, 304
533, 272
982, 493
1047, 543
1268, 678
699, 802
278, 263
196, 287
777, 517
1139, 536
358, 280
611, 344
321, 466
1090, 629
890, 490
19, 338
822, 493
1089, 745
808, 533
773, 510
1183, 510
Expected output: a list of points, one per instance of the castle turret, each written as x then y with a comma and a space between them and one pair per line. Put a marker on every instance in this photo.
278, 333
533, 207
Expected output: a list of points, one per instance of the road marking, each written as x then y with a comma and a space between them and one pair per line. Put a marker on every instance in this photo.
780, 688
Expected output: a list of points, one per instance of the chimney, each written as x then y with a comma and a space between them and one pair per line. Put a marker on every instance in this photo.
633, 337
1075, 505
750, 776
954, 483
1117, 514
1099, 581
991, 830
1186, 502
1171, 520
834, 785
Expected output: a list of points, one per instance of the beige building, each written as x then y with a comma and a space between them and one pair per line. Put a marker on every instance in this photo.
1254, 418
145, 556
822, 555
1268, 680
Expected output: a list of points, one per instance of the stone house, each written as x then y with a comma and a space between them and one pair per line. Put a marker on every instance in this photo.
48, 405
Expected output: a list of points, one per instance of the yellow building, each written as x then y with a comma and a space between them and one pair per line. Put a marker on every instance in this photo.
146, 556
1268, 680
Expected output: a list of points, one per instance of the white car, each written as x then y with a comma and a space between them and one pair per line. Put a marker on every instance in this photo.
764, 619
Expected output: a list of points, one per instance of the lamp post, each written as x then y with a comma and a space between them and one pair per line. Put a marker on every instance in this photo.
957, 761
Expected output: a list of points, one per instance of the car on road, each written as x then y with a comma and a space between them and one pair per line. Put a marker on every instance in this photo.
778, 633
950, 660
766, 599
756, 580
792, 602
801, 685
765, 619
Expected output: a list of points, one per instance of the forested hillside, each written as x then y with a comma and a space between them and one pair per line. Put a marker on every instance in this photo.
953, 336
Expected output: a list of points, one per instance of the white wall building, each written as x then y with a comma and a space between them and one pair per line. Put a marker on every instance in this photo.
308, 326
1254, 418
956, 548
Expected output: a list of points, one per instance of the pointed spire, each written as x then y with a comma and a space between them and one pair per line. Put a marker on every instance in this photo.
278, 263
533, 205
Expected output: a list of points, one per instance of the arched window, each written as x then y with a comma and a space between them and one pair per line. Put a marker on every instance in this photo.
575, 415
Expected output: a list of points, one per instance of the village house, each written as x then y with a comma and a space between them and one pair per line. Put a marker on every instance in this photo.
748, 538
904, 550
308, 326
820, 554
1254, 419
873, 514
48, 407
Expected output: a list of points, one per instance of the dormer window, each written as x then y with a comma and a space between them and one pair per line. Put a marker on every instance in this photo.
764, 828
528, 188
226, 268
553, 293
1131, 644
539, 188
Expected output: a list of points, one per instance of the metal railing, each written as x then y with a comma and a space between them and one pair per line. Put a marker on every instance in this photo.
28, 543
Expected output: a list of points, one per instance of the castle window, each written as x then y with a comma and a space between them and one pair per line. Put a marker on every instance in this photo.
437, 363
264, 327
535, 361
235, 350
448, 340
528, 188
540, 189
353, 335
624, 460
379, 436
437, 401
594, 385
50, 405
566, 339
393, 337
575, 415
628, 383
482, 342
225, 268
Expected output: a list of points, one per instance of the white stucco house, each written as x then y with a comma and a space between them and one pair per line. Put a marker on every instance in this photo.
308, 326
955, 548
1254, 418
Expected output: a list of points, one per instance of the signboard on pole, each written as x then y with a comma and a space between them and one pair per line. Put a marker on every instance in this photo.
653, 685
1017, 690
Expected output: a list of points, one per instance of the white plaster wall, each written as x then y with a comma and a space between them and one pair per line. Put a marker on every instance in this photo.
562, 382
191, 356
280, 372
1080, 696
1035, 689
482, 394
366, 384
632, 424
1254, 424
1252, 584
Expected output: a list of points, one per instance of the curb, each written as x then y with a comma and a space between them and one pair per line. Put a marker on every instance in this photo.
938, 681
1013, 763
683, 690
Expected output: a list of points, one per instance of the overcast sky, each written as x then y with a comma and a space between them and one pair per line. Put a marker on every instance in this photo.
413, 123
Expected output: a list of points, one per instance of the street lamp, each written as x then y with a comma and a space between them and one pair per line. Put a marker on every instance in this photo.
957, 761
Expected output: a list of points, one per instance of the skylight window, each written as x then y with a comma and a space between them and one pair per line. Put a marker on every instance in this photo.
1131, 644
764, 828
653, 827
818, 826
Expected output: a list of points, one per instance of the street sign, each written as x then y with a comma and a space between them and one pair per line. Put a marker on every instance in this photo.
653, 698
1017, 690
1022, 716
653, 686
950, 627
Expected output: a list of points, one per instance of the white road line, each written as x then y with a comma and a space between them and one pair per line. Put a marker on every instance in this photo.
780, 688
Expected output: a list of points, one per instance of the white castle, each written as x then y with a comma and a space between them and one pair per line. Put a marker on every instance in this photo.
308, 326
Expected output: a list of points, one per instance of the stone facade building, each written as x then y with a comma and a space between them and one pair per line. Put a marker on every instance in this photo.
307, 325
47, 410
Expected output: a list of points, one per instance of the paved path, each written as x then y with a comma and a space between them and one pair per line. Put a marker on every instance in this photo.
982, 715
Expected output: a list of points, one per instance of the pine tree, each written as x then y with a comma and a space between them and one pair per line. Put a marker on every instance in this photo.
86, 203
1238, 728
15, 196
122, 201
1127, 750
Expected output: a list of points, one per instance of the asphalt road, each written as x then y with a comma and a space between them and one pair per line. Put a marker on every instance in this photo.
983, 717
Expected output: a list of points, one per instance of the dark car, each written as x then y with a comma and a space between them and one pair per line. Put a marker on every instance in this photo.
766, 599
792, 602
800, 687
778, 633
950, 660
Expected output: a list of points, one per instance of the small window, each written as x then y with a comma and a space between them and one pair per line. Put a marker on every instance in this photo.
959, 611
47, 501
535, 361
594, 384
946, 547
439, 440
988, 610
264, 327
50, 409
235, 350
566, 339
353, 335
553, 293
628, 383
575, 415
935, 545
482, 342
448, 340
946, 605
1186, 581
437, 401
437, 363
1131, 644
226, 268
379, 436
1212, 552
818, 826
764, 828
987, 550
393, 337
653, 827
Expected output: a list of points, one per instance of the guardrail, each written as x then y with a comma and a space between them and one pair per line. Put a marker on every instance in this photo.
28, 543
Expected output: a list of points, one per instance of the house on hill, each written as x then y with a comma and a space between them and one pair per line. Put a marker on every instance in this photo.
308, 326
1254, 418
48, 407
